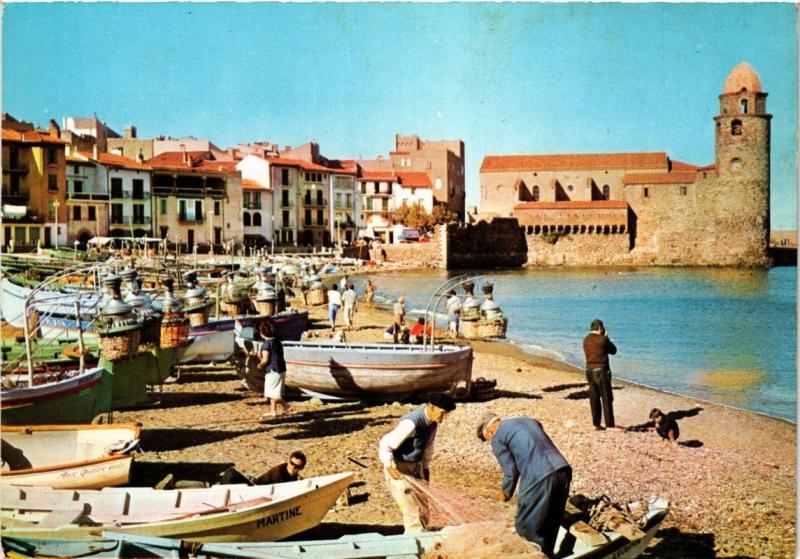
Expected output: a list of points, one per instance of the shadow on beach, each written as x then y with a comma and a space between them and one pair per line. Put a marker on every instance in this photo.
148, 474
675, 544
186, 399
335, 530
163, 440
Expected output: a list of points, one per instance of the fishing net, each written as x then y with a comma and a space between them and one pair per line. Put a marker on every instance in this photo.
474, 529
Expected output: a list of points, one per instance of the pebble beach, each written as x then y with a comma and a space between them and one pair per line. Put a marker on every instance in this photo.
731, 482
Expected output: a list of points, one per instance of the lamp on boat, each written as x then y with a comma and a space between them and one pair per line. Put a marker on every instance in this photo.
197, 304
142, 306
265, 298
174, 324
119, 329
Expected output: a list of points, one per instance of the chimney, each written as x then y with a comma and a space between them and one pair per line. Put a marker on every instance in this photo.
129, 132
185, 155
140, 157
54, 129
94, 152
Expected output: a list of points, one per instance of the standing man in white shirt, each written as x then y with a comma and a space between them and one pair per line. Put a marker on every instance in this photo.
406, 451
334, 304
350, 302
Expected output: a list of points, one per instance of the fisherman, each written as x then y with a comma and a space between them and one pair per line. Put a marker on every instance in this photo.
285, 472
406, 452
399, 317
526, 454
665, 426
597, 347
350, 302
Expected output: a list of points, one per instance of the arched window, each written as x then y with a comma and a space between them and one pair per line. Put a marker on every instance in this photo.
606, 192
743, 106
535, 193
256, 219
736, 128
246, 219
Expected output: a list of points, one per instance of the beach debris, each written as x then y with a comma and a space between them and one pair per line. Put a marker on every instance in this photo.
356, 462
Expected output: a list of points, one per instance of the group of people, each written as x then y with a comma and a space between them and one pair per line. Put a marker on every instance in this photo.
344, 298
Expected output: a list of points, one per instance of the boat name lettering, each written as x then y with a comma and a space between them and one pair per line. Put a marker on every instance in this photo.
91, 470
278, 517
622, 552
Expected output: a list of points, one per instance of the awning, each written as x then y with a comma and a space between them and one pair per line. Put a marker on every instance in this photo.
368, 233
14, 212
100, 241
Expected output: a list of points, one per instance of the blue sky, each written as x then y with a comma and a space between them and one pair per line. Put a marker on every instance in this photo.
505, 78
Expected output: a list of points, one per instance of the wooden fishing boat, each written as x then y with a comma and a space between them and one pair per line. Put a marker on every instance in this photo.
223, 513
376, 371
68, 456
215, 341
355, 546
73, 397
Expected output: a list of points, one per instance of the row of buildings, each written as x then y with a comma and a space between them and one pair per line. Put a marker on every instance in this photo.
69, 183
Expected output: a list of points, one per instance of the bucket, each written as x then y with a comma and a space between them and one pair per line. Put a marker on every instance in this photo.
116, 347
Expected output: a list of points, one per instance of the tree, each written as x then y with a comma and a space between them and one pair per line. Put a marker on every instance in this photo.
415, 216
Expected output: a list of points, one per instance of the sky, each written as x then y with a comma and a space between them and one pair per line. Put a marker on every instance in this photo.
504, 78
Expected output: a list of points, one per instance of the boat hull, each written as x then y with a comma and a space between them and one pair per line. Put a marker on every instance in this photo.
263, 519
87, 456
376, 371
78, 399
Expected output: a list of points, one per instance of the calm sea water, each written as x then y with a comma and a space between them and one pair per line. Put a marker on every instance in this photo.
728, 336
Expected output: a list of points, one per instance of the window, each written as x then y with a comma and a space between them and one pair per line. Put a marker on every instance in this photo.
163, 206
606, 192
286, 219
319, 198
338, 198
138, 189
683, 191
284, 197
77, 170
743, 106
52, 156
307, 199
308, 217
164, 230
198, 210
349, 200
256, 219
116, 188
535, 193
320, 220
182, 210
92, 213
116, 213
438, 183
245, 199
736, 128
77, 186
76, 213
736, 165
246, 219
569, 187
646, 192
217, 207
284, 177
52, 183
138, 213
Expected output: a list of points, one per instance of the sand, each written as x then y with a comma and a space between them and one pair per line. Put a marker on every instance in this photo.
732, 488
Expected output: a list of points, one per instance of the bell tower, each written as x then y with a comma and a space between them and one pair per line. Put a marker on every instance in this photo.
743, 151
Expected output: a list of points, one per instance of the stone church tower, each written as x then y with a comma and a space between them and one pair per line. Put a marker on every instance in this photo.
743, 152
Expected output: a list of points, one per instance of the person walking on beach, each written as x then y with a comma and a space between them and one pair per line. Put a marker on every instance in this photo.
406, 451
369, 291
597, 347
334, 304
528, 456
399, 317
272, 361
453, 312
350, 304
343, 283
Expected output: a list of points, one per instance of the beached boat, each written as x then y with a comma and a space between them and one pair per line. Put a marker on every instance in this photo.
376, 371
215, 341
223, 513
68, 456
356, 546
72, 397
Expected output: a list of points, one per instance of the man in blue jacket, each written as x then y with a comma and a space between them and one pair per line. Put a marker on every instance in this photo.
526, 454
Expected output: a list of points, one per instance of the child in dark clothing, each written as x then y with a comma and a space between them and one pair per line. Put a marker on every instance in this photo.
665, 426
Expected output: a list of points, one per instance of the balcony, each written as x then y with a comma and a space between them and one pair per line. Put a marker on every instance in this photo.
252, 205
119, 194
185, 218
287, 204
15, 196
87, 196
140, 196
127, 220
15, 169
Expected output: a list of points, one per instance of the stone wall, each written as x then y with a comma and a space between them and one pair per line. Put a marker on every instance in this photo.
599, 249
496, 244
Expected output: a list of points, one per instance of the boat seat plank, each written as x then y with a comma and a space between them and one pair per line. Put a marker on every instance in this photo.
65, 516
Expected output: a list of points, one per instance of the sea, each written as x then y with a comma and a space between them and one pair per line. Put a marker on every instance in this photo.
723, 335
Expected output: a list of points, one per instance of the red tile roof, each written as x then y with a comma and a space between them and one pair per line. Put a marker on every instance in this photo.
224, 166
415, 180
30, 137
574, 205
308, 165
248, 184
113, 160
173, 159
677, 177
681, 166
577, 161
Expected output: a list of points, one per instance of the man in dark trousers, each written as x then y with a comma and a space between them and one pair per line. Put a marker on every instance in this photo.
597, 347
526, 454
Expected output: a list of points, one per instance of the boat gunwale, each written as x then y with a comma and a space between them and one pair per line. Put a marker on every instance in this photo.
17, 397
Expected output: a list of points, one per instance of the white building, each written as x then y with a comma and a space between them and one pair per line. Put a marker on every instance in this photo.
414, 189
257, 201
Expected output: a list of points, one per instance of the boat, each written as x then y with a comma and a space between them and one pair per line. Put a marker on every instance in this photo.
386, 372
68, 456
215, 340
72, 397
223, 513
355, 546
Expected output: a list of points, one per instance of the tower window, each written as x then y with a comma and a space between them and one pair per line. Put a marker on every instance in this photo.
743, 106
646, 192
736, 165
736, 128
606, 192
683, 191
535, 193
